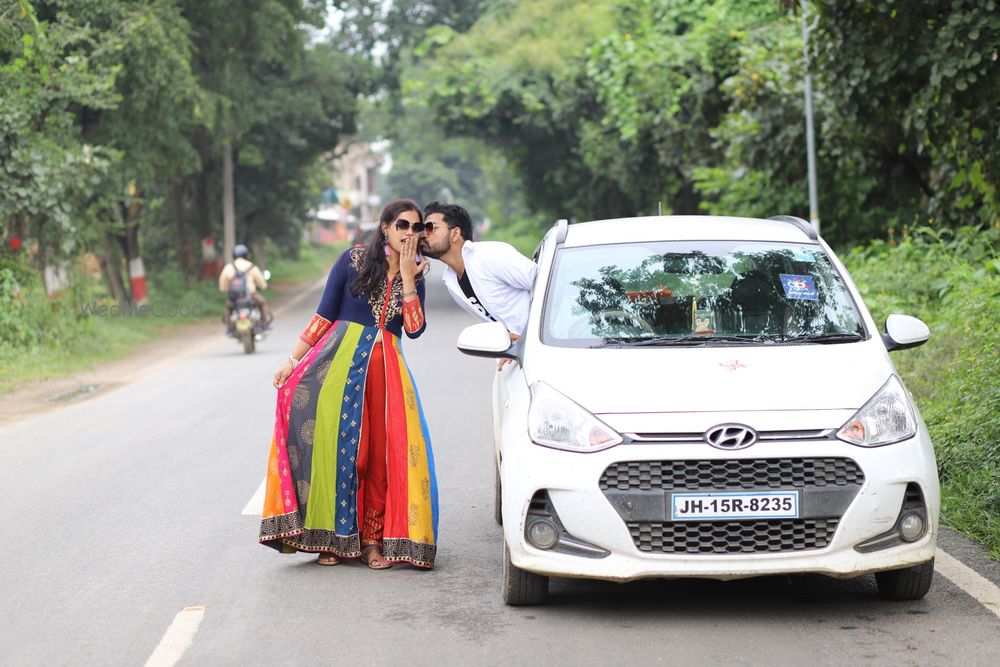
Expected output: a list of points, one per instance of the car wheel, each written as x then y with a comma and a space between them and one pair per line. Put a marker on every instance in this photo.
497, 498
521, 588
909, 583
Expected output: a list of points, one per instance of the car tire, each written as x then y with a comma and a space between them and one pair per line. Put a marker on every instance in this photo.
522, 588
909, 583
497, 497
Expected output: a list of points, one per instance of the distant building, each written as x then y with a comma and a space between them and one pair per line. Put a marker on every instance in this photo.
356, 179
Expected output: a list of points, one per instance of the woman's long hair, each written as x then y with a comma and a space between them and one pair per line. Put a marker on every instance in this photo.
375, 264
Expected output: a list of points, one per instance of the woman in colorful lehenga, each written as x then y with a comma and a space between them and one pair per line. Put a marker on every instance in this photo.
351, 472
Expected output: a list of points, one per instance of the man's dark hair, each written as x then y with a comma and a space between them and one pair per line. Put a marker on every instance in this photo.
454, 216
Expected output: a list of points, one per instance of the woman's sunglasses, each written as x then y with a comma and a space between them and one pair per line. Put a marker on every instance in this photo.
418, 227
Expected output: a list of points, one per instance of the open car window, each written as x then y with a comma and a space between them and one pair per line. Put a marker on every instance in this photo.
695, 292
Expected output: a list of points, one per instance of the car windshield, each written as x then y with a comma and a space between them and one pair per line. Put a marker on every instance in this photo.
697, 293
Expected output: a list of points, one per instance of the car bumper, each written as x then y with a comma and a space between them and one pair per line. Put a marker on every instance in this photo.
572, 481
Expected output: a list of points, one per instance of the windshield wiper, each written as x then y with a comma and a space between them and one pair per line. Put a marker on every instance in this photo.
681, 341
695, 340
824, 338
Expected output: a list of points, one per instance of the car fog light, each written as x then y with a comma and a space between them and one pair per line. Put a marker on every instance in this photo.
911, 527
542, 533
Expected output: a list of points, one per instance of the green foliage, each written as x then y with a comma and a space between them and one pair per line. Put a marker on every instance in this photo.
916, 90
42, 337
28, 319
312, 261
515, 80
113, 115
47, 168
605, 108
951, 280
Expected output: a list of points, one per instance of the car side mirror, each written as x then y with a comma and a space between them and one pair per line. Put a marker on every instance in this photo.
903, 332
488, 339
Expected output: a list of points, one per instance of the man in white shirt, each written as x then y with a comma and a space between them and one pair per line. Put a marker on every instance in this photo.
241, 278
489, 279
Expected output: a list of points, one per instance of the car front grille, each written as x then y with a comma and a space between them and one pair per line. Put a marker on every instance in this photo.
697, 475
811, 477
732, 537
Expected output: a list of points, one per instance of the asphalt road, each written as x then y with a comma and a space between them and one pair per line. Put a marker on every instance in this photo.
125, 509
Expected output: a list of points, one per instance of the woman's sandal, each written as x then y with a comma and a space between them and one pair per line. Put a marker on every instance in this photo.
375, 562
327, 558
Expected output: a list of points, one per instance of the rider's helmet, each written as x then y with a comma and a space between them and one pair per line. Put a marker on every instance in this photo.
240, 250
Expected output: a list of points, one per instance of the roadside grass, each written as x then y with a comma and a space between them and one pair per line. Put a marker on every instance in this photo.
313, 262
43, 338
952, 282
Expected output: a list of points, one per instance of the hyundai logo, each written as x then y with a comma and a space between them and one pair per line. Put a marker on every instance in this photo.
730, 436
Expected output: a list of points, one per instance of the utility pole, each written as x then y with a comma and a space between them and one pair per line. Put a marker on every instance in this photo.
228, 196
810, 133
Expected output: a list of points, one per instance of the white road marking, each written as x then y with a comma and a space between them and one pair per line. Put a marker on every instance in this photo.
178, 637
984, 591
256, 505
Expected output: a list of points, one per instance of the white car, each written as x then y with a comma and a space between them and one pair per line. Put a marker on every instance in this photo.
701, 396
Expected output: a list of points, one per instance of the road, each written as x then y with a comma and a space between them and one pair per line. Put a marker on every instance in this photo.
125, 509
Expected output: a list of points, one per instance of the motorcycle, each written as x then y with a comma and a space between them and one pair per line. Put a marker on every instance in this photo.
246, 323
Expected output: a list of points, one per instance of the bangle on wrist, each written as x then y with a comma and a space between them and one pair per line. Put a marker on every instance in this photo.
295, 362
412, 292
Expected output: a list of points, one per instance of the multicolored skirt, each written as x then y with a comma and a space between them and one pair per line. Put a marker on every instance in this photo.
312, 500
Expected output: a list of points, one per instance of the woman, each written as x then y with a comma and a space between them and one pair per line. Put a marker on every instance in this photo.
351, 472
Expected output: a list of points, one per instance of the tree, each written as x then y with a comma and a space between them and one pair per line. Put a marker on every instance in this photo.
917, 89
278, 103
51, 175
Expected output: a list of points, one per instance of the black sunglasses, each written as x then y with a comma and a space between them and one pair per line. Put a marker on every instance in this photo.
418, 227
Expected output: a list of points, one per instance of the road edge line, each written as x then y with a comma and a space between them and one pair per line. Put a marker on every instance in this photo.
981, 589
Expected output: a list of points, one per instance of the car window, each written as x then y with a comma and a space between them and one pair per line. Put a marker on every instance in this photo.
697, 291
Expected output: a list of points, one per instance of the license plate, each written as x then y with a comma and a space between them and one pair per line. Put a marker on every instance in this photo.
734, 505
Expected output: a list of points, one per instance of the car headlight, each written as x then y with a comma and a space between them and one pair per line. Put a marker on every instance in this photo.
556, 421
883, 420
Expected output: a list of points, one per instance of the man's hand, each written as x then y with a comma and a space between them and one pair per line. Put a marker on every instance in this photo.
503, 362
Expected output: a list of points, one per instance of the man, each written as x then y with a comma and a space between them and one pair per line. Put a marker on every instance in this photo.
488, 279
242, 278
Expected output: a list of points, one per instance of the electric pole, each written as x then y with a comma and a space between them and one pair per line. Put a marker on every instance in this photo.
810, 133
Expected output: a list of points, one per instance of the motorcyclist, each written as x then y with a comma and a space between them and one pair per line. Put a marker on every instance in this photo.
239, 278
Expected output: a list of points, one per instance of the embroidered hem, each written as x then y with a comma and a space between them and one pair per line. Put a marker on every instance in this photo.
348, 546
283, 525
400, 549
289, 531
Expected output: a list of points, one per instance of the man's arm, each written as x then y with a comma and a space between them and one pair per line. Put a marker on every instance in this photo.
258, 278
514, 268
224, 277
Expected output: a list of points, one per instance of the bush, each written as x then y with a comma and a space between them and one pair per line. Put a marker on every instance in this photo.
29, 319
951, 280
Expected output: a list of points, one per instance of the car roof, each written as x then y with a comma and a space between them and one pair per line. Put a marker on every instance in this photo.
683, 228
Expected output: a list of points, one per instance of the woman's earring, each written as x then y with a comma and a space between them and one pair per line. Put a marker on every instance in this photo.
385, 244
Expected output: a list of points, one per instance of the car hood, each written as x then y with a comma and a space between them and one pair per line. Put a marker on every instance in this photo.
714, 379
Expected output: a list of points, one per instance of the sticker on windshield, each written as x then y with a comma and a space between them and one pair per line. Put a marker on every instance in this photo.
803, 255
799, 287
